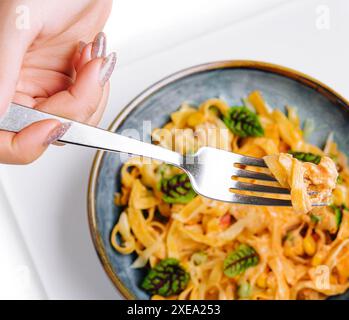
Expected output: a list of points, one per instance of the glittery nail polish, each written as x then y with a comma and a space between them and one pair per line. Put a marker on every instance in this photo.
107, 68
58, 133
99, 46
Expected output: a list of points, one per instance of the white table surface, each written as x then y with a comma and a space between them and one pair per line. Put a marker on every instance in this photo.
46, 201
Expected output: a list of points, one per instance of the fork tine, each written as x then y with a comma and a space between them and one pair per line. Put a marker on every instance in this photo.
251, 161
260, 201
252, 175
257, 201
259, 188
320, 204
238, 185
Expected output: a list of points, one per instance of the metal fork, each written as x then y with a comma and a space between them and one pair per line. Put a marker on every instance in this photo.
210, 170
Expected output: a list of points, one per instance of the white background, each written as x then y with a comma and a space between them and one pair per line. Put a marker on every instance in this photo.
45, 246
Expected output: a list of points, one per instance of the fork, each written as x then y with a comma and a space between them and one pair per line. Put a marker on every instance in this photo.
211, 171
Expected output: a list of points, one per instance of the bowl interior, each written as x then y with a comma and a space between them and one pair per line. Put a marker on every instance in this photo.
231, 84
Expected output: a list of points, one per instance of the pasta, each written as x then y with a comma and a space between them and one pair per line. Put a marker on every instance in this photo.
199, 248
309, 183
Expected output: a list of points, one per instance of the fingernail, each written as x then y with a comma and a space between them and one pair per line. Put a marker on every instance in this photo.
58, 133
82, 45
107, 68
99, 46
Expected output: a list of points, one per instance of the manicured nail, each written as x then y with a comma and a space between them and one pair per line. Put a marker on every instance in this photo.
107, 68
58, 132
99, 46
82, 45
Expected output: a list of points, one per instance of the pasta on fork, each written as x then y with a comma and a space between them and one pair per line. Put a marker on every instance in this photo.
309, 182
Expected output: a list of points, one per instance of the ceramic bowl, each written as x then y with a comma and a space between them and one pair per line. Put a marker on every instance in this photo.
231, 80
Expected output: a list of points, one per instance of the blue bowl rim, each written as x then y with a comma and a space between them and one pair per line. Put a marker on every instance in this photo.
306, 80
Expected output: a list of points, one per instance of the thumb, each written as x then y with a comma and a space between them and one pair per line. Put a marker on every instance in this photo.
26, 146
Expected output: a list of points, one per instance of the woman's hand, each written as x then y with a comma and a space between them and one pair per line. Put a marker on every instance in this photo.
52, 66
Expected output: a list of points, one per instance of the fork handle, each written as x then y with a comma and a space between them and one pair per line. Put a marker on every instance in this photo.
18, 117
